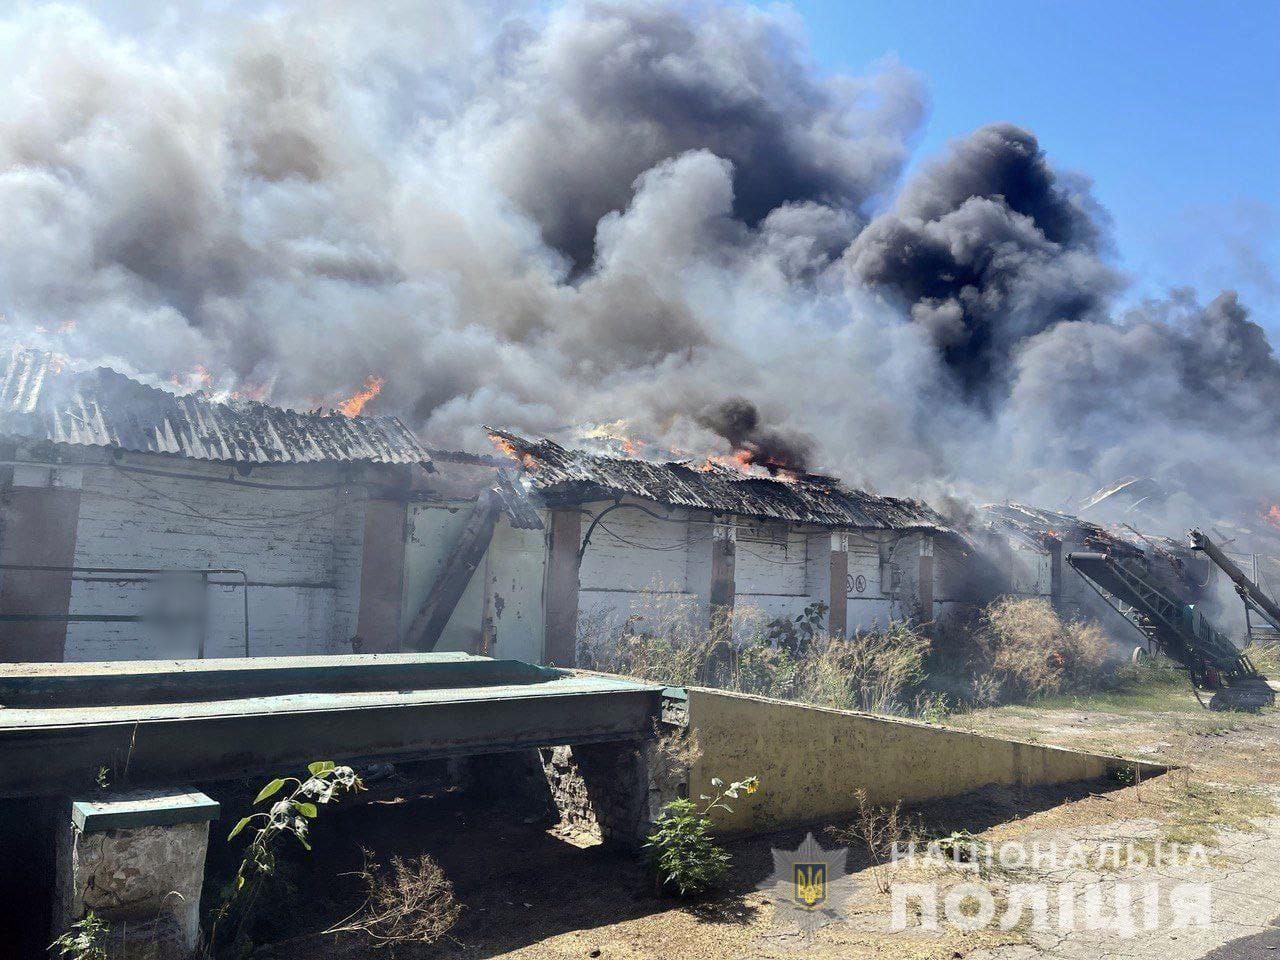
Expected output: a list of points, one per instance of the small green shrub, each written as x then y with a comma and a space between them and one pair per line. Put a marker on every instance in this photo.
933, 707
961, 846
86, 940
686, 858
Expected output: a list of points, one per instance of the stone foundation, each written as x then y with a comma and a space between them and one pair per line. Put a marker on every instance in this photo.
613, 789
137, 861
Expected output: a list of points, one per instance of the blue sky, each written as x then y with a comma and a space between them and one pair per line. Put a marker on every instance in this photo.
1171, 106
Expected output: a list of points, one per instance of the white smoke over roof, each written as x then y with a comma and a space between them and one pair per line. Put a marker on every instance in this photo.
634, 210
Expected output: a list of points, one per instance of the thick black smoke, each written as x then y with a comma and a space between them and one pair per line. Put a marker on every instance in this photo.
738, 421
987, 248
609, 89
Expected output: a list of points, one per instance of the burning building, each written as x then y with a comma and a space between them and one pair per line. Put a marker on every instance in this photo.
719, 535
139, 524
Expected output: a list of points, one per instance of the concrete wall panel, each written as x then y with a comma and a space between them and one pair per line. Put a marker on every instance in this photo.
811, 760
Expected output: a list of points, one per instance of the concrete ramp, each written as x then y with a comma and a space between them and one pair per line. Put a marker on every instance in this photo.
811, 760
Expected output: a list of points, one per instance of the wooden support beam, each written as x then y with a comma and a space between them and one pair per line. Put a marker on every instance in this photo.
442, 599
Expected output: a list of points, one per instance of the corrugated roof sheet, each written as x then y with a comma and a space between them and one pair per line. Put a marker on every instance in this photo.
43, 398
1032, 525
573, 475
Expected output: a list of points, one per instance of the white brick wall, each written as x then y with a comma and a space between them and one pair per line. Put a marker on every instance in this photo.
779, 569
301, 538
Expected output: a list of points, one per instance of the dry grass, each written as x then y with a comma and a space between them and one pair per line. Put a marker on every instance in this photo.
409, 902
878, 829
1025, 648
868, 671
1266, 657
1018, 650
668, 639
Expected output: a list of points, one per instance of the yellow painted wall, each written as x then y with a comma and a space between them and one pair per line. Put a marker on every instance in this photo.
811, 760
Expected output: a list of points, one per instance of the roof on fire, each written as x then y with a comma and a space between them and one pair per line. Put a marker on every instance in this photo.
569, 475
1035, 526
43, 398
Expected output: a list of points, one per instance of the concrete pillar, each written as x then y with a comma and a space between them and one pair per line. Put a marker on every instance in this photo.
724, 543
560, 648
926, 579
136, 860
838, 594
1055, 571
381, 577
39, 514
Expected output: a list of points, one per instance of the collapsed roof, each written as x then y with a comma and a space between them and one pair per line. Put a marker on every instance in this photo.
569, 476
1035, 525
42, 398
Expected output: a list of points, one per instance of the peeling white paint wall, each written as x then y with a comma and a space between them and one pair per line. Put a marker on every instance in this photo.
636, 563
500, 613
874, 584
770, 569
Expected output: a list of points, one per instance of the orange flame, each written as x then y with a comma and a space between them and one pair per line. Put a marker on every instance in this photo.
739, 460
616, 432
197, 378
352, 406
512, 451
1272, 516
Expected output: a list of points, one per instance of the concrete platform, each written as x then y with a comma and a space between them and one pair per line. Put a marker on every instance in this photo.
201, 720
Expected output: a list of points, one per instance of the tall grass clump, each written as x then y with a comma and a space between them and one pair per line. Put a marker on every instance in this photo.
670, 639
1022, 649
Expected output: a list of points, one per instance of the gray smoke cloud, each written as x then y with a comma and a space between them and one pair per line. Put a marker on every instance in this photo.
656, 210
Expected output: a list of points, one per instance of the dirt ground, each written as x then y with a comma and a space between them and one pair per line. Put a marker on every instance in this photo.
529, 893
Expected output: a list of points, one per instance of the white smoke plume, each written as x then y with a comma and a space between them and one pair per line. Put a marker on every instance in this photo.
655, 210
